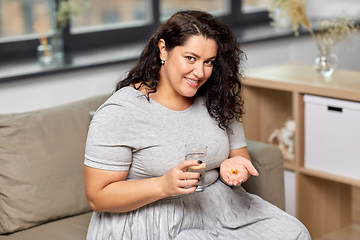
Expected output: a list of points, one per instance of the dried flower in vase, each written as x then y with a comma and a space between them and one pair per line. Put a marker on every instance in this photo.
295, 12
329, 34
41, 29
62, 16
291, 10
335, 30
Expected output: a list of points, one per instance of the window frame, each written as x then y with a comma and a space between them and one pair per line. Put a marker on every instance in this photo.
92, 40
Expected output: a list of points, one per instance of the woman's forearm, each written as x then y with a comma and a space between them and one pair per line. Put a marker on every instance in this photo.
124, 196
107, 191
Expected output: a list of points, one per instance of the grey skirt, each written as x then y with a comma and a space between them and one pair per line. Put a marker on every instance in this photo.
219, 212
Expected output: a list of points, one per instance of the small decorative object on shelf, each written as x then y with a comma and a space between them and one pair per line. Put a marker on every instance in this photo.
62, 16
44, 50
57, 43
327, 36
284, 139
325, 64
45, 54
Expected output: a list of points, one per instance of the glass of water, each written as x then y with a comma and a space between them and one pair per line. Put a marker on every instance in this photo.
197, 151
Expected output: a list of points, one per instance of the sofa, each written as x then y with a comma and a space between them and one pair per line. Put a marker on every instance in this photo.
41, 172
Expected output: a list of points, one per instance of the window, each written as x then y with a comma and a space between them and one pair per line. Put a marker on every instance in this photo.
250, 6
216, 7
111, 14
108, 22
18, 18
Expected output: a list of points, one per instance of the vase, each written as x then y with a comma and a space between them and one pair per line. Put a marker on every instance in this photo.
57, 43
325, 64
45, 54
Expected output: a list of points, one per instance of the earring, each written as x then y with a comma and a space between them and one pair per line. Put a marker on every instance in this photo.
162, 62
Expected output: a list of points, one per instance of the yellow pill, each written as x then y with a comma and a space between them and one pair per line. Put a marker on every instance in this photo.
234, 171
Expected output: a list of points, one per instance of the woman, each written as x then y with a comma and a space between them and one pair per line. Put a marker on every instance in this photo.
184, 89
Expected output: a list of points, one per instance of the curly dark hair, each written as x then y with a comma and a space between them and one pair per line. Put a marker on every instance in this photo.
222, 89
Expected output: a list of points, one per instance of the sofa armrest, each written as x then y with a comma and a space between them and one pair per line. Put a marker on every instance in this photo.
269, 185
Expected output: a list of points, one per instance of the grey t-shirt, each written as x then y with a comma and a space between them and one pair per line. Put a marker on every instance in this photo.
128, 132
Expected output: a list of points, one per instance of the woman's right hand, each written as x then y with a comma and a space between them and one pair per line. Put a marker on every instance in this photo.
177, 180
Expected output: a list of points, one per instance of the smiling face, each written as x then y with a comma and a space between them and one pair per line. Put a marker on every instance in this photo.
186, 67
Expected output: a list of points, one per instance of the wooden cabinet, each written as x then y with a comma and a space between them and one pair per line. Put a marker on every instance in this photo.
328, 205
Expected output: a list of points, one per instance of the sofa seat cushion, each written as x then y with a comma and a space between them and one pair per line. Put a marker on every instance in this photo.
71, 228
41, 164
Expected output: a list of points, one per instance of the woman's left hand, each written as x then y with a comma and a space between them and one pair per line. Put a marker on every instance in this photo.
236, 170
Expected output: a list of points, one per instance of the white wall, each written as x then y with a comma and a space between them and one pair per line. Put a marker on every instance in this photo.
46, 91
300, 50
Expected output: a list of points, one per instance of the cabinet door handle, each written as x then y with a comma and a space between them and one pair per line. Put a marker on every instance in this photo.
336, 109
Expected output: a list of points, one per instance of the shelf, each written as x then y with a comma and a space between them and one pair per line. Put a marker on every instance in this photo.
265, 111
327, 204
331, 177
351, 232
343, 84
289, 165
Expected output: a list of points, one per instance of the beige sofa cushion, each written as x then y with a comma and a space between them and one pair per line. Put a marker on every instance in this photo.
70, 228
41, 164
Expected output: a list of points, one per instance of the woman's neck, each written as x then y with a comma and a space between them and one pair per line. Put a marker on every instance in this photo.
168, 99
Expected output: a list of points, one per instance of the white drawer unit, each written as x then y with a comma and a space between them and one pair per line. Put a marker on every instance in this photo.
332, 136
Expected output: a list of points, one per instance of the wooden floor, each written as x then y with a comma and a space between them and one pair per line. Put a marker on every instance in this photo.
348, 233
